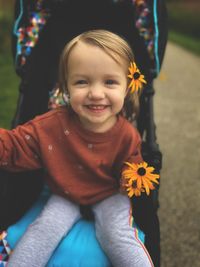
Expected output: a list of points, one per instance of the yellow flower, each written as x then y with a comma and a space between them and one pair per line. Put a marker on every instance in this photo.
139, 178
132, 189
137, 79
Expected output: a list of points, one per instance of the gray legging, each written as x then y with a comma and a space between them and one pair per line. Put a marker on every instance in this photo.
113, 231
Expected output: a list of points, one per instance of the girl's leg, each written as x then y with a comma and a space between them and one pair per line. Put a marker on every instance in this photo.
41, 238
115, 234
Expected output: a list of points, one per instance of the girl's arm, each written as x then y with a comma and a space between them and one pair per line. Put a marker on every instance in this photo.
19, 149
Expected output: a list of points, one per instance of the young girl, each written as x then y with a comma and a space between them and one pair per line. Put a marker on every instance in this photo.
83, 147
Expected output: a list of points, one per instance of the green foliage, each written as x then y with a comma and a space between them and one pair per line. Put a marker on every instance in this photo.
9, 90
184, 17
190, 43
6, 22
5, 35
184, 23
8, 79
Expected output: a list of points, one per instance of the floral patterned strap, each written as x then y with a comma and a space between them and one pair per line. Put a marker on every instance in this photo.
146, 24
28, 35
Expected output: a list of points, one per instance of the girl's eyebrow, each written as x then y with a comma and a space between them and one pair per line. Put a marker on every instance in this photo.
108, 75
111, 75
77, 75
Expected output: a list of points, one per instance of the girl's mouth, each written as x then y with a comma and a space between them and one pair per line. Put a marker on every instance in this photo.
97, 108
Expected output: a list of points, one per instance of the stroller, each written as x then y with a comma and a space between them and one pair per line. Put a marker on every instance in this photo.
40, 31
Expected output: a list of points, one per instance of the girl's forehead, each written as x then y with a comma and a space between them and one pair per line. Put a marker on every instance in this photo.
84, 52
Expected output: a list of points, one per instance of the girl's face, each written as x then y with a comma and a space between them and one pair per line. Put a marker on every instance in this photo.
97, 86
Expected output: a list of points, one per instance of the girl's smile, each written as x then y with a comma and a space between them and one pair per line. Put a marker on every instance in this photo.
97, 108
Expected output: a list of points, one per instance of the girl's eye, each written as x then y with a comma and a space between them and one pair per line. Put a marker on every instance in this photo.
111, 82
81, 82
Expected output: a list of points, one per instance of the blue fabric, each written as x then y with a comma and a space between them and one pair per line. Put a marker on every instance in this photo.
79, 248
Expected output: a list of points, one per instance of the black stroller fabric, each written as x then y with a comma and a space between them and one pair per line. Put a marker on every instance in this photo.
36, 60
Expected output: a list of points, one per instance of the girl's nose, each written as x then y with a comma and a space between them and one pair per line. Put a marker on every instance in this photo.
96, 92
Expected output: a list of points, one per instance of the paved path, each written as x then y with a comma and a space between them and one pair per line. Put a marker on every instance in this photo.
177, 115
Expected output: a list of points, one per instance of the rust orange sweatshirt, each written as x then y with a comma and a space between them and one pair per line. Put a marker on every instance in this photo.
80, 165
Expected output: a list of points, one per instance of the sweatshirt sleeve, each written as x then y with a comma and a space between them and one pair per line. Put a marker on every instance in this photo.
19, 148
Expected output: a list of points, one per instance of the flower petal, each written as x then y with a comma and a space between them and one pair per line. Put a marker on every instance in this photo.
131, 165
146, 187
139, 182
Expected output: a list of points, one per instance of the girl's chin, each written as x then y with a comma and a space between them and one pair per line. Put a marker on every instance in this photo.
98, 124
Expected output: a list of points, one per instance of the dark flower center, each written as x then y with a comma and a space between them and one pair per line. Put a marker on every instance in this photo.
134, 184
141, 171
136, 75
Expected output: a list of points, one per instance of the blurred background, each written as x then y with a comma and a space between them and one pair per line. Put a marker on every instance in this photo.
177, 117
184, 26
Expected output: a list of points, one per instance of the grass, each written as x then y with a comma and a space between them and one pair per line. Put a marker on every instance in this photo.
188, 42
184, 18
9, 90
9, 81
184, 24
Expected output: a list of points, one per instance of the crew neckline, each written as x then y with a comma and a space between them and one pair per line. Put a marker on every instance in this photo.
96, 137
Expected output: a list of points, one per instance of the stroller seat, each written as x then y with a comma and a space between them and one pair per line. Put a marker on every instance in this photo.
41, 30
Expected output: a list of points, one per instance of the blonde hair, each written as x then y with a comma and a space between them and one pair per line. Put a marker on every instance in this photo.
112, 44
